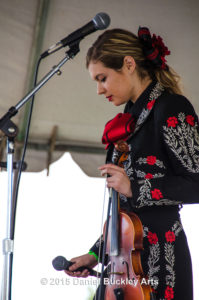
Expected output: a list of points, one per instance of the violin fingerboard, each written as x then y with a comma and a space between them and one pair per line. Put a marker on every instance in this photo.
114, 248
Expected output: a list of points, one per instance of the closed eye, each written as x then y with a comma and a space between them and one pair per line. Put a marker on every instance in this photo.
103, 79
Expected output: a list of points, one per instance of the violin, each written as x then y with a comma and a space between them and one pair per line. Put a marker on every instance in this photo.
123, 247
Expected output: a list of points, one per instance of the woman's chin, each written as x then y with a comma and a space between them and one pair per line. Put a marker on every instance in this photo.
118, 103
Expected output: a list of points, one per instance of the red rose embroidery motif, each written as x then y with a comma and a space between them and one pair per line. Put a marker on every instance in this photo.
172, 122
152, 238
148, 176
150, 104
156, 194
170, 236
190, 120
169, 293
151, 160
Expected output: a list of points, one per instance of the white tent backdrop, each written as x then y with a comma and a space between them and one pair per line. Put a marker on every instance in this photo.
54, 217
52, 213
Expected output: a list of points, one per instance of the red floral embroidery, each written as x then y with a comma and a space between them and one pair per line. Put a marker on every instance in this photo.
170, 236
190, 120
149, 176
169, 293
172, 121
151, 160
150, 104
156, 194
152, 238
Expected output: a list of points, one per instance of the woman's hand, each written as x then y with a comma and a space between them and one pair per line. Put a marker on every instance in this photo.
86, 260
117, 180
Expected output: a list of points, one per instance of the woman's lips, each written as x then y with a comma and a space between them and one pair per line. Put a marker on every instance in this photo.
109, 98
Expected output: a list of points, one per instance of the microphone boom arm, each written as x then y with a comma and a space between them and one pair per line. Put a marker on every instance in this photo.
74, 49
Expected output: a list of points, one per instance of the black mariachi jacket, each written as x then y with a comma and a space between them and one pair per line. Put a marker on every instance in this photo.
163, 161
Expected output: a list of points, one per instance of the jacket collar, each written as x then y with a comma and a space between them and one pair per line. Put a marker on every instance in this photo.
136, 108
140, 110
143, 106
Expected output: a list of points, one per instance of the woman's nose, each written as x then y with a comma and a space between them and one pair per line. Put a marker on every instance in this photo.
100, 89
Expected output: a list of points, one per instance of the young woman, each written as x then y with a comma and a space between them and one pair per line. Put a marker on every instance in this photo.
159, 129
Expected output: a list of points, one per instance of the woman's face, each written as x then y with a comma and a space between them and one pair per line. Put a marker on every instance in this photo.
116, 86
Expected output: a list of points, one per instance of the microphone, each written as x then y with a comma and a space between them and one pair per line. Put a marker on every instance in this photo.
60, 263
99, 22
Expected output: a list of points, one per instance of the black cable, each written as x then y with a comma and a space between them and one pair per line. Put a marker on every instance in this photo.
24, 148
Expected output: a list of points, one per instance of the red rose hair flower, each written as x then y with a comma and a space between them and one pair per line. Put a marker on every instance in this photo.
170, 236
154, 48
156, 194
172, 121
158, 44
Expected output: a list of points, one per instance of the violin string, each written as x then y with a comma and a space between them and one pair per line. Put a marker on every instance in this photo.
101, 230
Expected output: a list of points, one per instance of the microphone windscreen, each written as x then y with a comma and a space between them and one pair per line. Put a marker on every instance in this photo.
60, 263
102, 21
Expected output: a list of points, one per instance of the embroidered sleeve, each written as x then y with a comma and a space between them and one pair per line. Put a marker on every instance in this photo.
178, 134
181, 136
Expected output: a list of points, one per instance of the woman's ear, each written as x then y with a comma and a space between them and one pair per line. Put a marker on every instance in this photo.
129, 63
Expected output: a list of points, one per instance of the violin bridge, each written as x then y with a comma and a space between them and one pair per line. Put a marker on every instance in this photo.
117, 273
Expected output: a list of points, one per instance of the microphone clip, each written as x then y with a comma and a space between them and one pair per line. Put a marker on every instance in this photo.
73, 49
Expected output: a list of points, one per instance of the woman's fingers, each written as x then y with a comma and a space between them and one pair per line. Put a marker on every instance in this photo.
110, 169
109, 166
118, 179
73, 274
76, 264
81, 261
84, 273
115, 181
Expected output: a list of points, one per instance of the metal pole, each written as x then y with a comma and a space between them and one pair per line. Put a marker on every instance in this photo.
8, 243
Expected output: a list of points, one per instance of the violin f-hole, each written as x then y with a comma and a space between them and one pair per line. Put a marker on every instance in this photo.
127, 268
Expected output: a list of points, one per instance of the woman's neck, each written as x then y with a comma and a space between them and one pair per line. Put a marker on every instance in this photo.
139, 87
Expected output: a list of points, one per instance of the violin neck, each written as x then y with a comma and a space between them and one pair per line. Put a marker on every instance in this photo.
114, 247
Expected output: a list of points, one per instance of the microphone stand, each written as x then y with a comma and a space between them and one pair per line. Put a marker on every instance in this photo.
10, 130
